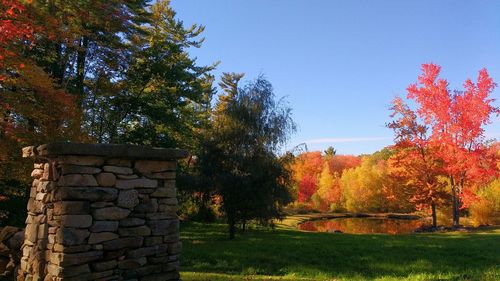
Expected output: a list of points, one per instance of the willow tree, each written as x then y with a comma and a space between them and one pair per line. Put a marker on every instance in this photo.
239, 155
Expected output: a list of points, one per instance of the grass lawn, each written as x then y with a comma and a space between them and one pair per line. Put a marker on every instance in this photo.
285, 254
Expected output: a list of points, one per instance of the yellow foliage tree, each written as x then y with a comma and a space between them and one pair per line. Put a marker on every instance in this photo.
329, 189
363, 187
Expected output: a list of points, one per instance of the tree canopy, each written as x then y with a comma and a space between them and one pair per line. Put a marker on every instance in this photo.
239, 151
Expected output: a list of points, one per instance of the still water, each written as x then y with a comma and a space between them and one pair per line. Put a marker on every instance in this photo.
363, 225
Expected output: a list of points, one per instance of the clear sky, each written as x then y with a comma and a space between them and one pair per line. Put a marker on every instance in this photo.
340, 63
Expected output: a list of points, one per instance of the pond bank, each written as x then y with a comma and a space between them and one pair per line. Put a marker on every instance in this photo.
292, 221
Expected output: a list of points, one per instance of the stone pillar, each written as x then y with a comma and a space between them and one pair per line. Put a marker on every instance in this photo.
101, 212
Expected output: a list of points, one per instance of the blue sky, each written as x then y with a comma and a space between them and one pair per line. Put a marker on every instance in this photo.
340, 63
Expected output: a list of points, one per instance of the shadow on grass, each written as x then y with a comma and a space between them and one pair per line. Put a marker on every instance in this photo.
285, 252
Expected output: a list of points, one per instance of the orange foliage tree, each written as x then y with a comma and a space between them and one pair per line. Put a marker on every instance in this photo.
482, 177
456, 120
305, 170
416, 163
317, 178
339, 163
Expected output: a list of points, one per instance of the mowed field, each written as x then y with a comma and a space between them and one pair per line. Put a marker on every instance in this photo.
284, 254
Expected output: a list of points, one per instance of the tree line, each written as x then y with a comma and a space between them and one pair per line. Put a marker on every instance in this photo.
440, 158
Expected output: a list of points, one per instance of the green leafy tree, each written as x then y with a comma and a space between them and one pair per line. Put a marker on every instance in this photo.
166, 96
239, 153
330, 151
127, 65
84, 43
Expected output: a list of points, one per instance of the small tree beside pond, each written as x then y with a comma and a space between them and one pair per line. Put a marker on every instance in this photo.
239, 159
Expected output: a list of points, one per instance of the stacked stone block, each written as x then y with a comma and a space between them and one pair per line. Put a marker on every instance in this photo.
106, 216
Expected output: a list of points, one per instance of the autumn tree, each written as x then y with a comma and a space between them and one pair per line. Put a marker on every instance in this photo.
16, 33
456, 120
472, 194
317, 177
33, 108
416, 162
362, 187
485, 208
339, 163
329, 189
307, 187
352, 183
306, 169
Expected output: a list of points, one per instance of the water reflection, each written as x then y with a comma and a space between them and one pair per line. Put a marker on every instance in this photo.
363, 225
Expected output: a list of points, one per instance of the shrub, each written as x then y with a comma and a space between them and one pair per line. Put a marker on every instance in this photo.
486, 210
192, 208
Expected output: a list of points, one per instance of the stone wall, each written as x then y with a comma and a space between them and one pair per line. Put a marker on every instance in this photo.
11, 240
101, 212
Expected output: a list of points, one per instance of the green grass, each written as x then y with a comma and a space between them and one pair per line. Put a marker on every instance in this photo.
294, 255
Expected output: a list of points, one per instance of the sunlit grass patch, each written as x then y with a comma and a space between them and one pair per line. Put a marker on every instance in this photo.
295, 255
196, 276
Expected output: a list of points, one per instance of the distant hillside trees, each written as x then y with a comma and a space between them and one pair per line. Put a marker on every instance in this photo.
440, 158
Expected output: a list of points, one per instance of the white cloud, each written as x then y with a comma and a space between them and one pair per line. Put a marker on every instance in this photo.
344, 140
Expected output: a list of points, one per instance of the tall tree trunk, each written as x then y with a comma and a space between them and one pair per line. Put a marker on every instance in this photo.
80, 78
56, 69
456, 211
232, 227
454, 196
434, 217
80, 66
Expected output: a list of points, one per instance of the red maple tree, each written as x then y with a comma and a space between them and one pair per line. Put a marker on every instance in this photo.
307, 187
15, 27
456, 119
305, 170
415, 163
340, 163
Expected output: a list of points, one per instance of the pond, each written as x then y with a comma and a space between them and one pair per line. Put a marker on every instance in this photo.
365, 225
